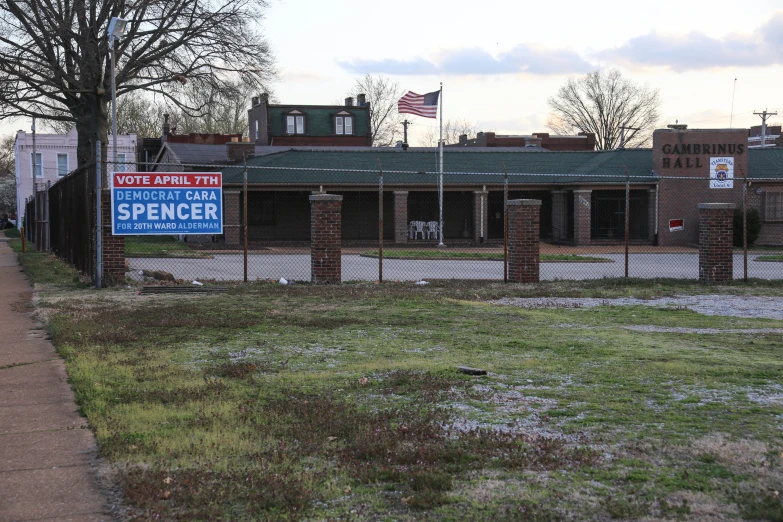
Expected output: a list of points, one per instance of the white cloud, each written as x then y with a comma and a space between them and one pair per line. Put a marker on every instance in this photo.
524, 58
696, 50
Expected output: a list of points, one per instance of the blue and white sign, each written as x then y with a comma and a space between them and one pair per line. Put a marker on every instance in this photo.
164, 203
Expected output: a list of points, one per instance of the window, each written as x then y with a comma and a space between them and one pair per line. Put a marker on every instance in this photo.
62, 164
343, 125
295, 124
120, 163
36, 165
773, 206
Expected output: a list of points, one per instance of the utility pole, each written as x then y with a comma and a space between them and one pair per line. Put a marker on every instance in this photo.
623, 128
764, 117
405, 124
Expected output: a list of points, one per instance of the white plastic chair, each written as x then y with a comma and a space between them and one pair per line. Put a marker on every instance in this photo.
432, 229
418, 228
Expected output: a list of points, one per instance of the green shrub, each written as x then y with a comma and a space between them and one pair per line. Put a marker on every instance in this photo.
754, 226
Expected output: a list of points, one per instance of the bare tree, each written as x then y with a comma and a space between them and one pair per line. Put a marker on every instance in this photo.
603, 102
382, 94
452, 130
54, 56
225, 109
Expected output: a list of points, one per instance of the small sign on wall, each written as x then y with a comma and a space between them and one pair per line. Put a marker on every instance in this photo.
722, 172
676, 225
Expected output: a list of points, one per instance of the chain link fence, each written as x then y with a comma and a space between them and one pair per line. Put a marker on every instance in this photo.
394, 228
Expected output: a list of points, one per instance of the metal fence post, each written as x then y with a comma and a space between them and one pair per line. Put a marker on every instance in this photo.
505, 223
745, 228
244, 216
627, 217
380, 221
98, 224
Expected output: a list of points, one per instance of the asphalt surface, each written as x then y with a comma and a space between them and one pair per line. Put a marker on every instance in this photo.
297, 267
47, 451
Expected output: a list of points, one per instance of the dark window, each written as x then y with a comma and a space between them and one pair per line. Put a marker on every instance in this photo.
773, 206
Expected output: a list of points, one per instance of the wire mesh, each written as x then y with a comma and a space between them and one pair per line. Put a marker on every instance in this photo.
603, 226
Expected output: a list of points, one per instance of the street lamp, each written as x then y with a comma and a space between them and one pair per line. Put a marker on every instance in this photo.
115, 32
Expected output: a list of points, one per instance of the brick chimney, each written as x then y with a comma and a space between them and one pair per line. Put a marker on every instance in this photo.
236, 150
349, 101
361, 100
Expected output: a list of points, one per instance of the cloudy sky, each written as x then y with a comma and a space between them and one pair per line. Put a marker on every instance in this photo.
500, 60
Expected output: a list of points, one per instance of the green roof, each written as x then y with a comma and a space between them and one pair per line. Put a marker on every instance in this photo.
765, 163
460, 166
319, 120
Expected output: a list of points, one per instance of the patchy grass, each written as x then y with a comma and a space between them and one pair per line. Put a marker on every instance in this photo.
770, 257
158, 246
480, 256
318, 403
11, 233
44, 268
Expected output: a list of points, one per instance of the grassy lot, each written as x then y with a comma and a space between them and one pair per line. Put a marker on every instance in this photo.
492, 256
158, 246
342, 403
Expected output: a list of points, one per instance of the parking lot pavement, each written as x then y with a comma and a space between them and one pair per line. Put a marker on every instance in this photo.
296, 267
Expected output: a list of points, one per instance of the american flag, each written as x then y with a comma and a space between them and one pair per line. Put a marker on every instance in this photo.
424, 105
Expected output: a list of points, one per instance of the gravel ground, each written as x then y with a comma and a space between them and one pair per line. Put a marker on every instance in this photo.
723, 305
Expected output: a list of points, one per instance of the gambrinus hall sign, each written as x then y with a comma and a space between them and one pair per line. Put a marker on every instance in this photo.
163, 203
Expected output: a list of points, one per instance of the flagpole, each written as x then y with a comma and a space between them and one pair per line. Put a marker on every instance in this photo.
440, 169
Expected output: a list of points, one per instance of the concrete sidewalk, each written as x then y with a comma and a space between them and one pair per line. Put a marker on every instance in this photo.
46, 450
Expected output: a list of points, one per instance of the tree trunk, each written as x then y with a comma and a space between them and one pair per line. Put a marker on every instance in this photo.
92, 121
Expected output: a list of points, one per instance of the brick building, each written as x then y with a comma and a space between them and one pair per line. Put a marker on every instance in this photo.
582, 141
582, 194
310, 125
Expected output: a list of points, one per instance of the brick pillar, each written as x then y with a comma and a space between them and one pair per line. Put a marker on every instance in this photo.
559, 215
232, 220
651, 213
113, 246
582, 202
480, 215
400, 217
716, 236
325, 235
524, 217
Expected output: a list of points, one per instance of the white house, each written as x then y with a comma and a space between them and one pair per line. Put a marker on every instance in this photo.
56, 157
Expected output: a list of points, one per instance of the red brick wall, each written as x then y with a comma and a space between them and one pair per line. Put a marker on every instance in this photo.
325, 235
232, 221
113, 247
678, 199
582, 216
400, 216
716, 235
523, 225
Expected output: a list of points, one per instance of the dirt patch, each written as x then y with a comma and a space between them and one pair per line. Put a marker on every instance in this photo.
722, 305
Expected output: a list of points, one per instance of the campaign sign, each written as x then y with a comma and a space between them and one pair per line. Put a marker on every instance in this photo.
163, 203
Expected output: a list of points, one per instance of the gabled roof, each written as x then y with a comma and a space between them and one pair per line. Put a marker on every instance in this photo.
461, 166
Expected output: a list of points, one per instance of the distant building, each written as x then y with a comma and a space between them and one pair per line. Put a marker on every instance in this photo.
772, 137
310, 125
56, 157
582, 141
153, 151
